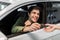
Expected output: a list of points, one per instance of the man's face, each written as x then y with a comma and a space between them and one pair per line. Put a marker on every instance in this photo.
34, 15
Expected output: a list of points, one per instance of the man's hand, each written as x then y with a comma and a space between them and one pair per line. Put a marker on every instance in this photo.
27, 23
33, 27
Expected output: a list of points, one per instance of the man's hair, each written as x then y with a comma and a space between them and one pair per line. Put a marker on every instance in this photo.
33, 7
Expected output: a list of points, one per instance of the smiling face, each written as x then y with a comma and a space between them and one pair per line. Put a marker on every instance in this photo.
34, 15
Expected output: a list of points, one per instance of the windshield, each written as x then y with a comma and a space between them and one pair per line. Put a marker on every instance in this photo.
3, 5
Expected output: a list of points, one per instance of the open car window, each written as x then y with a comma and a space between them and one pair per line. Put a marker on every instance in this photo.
17, 18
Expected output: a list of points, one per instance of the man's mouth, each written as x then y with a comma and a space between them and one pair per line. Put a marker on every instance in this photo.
35, 18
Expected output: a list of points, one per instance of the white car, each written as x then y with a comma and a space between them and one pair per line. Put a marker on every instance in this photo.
11, 12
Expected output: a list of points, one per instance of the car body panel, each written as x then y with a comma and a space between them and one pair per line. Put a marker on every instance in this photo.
38, 35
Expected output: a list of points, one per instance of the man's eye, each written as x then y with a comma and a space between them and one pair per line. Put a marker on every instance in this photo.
34, 12
38, 14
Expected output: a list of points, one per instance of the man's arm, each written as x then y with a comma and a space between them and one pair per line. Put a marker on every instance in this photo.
17, 29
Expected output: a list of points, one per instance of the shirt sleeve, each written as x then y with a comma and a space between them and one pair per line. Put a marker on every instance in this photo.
16, 29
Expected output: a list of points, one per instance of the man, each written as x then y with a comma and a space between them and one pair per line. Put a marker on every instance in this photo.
31, 24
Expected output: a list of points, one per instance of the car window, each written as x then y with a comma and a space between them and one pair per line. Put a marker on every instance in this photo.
48, 14
18, 18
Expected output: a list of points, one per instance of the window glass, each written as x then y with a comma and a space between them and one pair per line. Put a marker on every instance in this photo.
3, 5
53, 14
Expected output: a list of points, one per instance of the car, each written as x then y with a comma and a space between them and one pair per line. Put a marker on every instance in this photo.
14, 13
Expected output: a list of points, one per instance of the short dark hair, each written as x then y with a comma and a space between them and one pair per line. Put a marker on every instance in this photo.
33, 7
